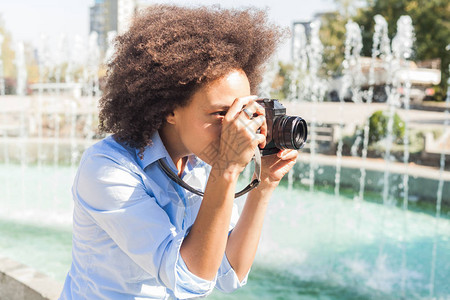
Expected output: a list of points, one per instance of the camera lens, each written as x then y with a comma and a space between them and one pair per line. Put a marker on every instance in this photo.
290, 132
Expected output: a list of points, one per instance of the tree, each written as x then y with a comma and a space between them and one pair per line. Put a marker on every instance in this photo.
348, 8
431, 24
280, 85
332, 35
8, 57
7, 53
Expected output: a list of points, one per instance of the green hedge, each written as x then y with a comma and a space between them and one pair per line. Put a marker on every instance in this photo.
378, 127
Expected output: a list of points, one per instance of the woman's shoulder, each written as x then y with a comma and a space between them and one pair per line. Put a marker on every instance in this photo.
109, 149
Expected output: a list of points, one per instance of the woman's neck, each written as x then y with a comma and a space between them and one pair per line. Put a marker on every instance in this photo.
174, 147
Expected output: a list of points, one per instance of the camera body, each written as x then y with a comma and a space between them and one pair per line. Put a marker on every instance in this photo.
283, 132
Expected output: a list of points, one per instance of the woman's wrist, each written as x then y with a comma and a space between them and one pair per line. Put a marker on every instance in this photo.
262, 193
228, 173
266, 183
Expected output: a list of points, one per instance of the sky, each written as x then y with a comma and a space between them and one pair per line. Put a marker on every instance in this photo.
27, 20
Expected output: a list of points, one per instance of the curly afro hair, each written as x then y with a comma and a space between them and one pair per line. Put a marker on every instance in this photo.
168, 53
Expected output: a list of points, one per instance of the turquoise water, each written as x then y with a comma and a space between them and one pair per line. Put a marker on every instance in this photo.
314, 245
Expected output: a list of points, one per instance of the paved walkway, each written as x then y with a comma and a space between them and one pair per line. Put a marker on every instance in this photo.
353, 115
349, 113
378, 164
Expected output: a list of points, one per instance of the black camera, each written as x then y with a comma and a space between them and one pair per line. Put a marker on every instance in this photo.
283, 132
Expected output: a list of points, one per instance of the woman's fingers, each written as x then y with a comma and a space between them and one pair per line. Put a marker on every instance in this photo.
261, 139
256, 123
246, 113
252, 109
288, 154
237, 106
243, 129
252, 116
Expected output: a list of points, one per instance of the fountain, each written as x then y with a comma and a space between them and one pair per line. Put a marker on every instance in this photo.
340, 227
351, 80
2, 79
395, 185
306, 83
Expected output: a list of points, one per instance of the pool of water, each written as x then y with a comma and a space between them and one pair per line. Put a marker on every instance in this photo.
314, 245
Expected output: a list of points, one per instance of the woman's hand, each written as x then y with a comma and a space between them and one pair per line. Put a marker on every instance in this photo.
241, 133
274, 167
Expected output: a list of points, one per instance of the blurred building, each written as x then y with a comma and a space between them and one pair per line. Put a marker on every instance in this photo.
306, 29
110, 15
294, 38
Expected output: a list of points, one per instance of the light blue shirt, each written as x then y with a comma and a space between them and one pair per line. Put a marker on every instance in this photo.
128, 225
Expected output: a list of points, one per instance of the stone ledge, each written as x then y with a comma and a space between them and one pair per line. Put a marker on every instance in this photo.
20, 282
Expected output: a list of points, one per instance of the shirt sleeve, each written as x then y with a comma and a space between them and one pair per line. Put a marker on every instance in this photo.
227, 280
116, 199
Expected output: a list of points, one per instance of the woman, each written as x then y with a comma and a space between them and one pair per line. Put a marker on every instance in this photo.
176, 91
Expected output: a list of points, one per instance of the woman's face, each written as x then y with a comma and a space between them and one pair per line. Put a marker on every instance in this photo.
198, 125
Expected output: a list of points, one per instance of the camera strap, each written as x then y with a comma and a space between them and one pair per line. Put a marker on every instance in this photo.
256, 158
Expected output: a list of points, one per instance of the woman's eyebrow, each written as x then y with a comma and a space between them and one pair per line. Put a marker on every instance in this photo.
218, 107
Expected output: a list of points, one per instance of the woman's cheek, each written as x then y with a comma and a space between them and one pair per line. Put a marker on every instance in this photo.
207, 135
213, 128
216, 130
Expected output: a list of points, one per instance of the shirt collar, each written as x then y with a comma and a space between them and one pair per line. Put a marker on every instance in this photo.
153, 152
157, 150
